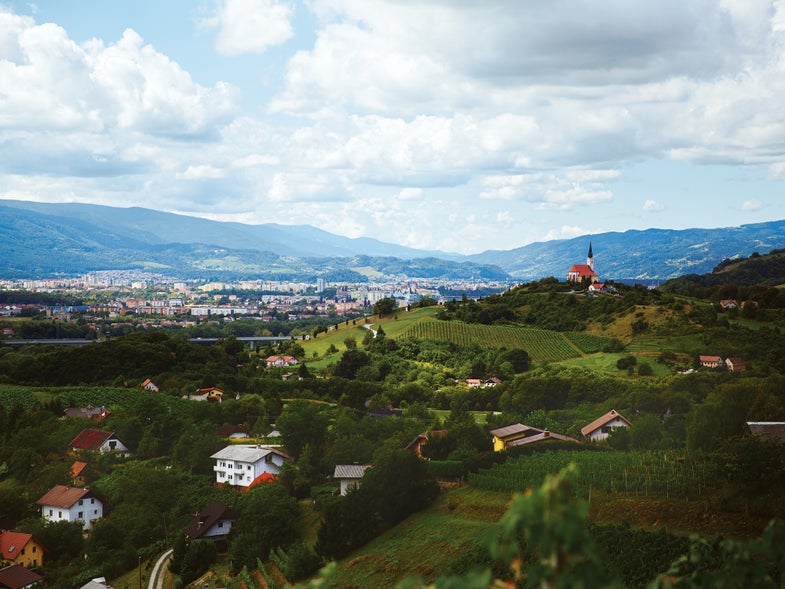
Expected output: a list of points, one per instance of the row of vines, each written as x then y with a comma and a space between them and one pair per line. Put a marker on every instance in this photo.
542, 345
644, 473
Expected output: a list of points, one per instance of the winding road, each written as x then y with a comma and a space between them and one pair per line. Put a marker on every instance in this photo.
157, 574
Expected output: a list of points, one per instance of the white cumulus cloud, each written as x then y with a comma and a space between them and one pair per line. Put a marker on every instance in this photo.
250, 26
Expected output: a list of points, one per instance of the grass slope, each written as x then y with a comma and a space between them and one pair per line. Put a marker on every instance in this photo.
426, 544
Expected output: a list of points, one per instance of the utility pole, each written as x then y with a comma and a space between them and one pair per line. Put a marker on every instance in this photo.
140, 571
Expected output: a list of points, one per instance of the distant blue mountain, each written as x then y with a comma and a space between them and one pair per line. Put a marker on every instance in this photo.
39, 239
650, 255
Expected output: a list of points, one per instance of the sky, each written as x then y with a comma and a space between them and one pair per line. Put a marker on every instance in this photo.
450, 125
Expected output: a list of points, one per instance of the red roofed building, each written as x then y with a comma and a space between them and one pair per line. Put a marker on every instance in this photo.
710, 361
262, 479
18, 577
274, 361
77, 472
584, 272
62, 503
736, 364
22, 549
98, 441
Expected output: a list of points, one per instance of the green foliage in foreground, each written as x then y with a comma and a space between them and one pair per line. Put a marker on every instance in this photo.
543, 540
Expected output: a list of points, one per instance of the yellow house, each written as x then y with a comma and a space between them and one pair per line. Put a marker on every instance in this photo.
21, 549
503, 436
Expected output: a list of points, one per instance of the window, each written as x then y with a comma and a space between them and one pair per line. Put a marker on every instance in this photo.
59, 514
230, 476
81, 502
249, 467
220, 524
80, 515
92, 501
50, 512
22, 552
238, 466
34, 548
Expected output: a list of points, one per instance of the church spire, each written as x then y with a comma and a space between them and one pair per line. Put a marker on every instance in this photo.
590, 259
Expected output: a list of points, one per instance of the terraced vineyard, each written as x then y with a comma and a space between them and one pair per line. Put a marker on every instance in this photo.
542, 345
587, 343
647, 473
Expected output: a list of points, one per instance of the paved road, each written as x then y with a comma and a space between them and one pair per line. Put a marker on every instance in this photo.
157, 575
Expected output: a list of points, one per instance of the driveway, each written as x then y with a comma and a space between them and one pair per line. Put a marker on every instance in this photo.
157, 574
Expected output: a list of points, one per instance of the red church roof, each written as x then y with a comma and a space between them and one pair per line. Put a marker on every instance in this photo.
582, 270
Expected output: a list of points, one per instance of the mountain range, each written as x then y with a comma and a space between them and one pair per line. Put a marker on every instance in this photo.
42, 239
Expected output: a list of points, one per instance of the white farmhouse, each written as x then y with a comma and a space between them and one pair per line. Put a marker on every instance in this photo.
600, 428
239, 465
349, 475
70, 504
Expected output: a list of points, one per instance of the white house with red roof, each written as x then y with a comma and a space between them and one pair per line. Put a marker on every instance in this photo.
710, 361
276, 361
239, 465
70, 504
600, 428
98, 441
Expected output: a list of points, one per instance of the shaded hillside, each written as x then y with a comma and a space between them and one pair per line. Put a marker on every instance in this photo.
88, 238
758, 270
133, 226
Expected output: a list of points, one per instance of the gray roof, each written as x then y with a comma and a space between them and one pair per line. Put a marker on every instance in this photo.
247, 453
546, 435
350, 471
511, 430
768, 430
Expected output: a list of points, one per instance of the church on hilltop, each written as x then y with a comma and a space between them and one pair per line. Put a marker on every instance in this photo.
584, 272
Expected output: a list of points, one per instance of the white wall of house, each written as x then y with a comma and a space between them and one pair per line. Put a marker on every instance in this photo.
86, 510
347, 484
242, 474
603, 432
113, 445
219, 529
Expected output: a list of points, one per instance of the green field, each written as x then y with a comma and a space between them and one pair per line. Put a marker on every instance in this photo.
685, 344
542, 345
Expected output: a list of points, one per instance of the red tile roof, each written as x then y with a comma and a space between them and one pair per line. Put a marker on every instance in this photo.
77, 468
582, 270
62, 496
90, 439
16, 576
262, 479
11, 544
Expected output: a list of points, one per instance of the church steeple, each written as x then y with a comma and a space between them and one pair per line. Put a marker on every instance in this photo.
590, 259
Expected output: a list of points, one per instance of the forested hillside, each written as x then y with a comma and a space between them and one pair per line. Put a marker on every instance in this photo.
545, 354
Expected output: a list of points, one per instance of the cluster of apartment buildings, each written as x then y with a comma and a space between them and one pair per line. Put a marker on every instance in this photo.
146, 294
